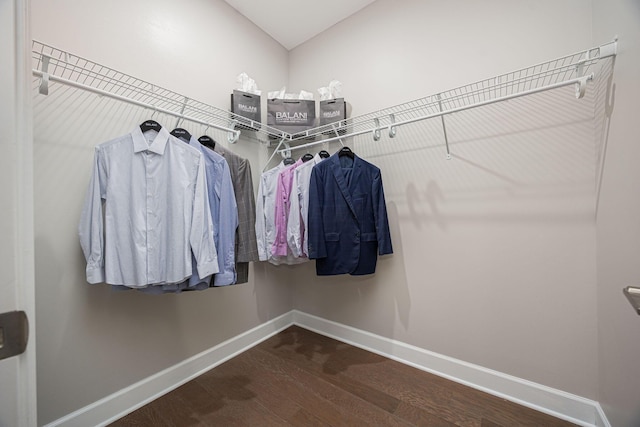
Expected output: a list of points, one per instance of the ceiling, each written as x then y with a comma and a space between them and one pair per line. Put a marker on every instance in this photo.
292, 22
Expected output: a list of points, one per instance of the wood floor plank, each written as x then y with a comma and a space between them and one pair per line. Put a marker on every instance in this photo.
350, 404
143, 417
275, 398
300, 378
421, 417
329, 403
454, 402
335, 367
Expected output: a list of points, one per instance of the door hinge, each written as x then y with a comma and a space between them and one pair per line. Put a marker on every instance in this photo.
14, 333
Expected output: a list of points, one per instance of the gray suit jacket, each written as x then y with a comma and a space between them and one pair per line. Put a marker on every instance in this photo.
246, 245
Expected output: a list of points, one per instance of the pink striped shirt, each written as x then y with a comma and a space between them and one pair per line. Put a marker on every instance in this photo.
283, 193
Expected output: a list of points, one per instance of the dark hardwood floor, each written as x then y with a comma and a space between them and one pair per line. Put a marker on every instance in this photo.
300, 378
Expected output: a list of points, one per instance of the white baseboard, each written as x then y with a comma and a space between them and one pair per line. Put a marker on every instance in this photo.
115, 406
554, 402
566, 406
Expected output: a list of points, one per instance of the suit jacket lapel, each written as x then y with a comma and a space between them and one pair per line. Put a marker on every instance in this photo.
342, 184
355, 174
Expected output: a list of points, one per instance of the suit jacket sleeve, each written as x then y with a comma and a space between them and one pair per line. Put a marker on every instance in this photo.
317, 247
247, 248
380, 216
260, 226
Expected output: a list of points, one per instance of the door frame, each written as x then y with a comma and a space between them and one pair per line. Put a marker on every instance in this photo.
24, 205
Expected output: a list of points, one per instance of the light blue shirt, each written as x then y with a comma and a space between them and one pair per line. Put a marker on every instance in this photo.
224, 215
224, 212
156, 212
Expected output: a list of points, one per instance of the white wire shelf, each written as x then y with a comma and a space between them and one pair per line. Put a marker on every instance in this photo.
52, 64
576, 69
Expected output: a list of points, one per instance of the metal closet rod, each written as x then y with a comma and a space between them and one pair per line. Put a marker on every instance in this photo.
232, 137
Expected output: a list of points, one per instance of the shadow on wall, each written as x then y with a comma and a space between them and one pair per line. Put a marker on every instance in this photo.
606, 96
506, 159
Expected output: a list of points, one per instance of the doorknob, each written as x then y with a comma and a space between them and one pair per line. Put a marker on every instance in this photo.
14, 333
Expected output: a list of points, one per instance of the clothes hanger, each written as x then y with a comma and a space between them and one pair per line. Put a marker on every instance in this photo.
207, 141
150, 125
288, 161
307, 157
346, 151
324, 154
182, 134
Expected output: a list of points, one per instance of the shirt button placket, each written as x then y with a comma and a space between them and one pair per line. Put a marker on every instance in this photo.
148, 215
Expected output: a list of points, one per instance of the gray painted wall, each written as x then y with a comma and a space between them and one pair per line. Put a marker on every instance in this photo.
495, 250
91, 341
498, 261
618, 223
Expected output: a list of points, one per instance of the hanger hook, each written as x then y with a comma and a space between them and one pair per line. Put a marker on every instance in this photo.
233, 137
44, 81
234, 134
376, 131
581, 85
286, 152
392, 128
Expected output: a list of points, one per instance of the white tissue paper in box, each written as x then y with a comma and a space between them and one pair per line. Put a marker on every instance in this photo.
277, 94
307, 96
282, 94
247, 84
333, 91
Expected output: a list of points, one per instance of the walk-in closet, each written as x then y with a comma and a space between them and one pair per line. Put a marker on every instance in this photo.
473, 218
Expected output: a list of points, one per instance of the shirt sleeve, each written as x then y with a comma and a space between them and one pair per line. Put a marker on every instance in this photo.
226, 230
91, 227
294, 236
261, 228
279, 246
201, 236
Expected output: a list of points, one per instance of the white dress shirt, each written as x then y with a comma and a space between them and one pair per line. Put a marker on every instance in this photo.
266, 219
297, 231
156, 212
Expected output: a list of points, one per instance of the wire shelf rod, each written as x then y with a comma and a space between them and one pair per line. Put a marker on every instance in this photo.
101, 92
455, 100
456, 110
522, 80
89, 75
71, 68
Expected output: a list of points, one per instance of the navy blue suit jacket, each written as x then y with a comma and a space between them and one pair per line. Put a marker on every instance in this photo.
348, 224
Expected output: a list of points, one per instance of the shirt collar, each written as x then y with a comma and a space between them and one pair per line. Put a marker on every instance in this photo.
158, 144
